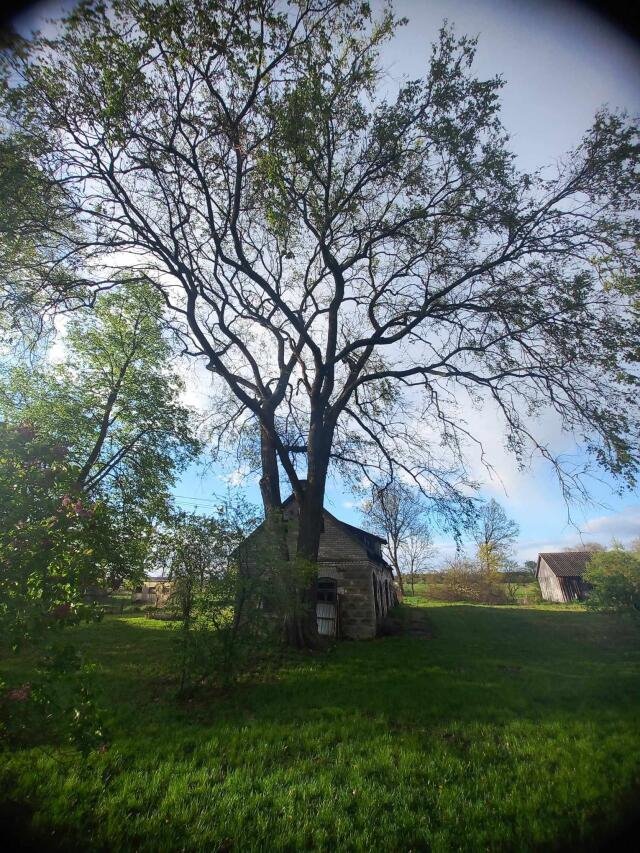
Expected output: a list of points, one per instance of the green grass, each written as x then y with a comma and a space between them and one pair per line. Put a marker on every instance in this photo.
512, 729
427, 586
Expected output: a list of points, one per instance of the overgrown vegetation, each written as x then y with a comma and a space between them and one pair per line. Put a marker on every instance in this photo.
467, 580
224, 627
90, 446
464, 581
50, 543
513, 728
614, 577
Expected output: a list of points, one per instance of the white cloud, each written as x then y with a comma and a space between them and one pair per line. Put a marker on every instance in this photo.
506, 479
622, 525
237, 477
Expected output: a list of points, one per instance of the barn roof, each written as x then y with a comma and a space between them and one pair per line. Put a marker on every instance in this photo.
566, 564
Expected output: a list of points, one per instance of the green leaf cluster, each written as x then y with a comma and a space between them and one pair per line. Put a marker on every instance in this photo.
614, 577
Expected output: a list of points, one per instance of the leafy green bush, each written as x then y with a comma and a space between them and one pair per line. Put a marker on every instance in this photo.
56, 704
615, 580
51, 538
228, 616
465, 580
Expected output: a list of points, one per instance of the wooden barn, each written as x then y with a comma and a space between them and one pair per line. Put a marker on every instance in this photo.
560, 575
355, 584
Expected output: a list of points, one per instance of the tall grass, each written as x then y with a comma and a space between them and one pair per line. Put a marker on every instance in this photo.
513, 728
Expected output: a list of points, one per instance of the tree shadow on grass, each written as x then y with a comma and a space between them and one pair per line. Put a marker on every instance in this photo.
483, 664
480, 664
519, 699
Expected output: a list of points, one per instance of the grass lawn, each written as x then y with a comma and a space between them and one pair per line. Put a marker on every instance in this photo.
427, 586
513, 728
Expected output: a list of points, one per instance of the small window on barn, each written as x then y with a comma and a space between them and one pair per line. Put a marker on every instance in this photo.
327, 590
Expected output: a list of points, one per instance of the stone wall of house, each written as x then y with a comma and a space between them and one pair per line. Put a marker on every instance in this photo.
359, 617
363, 601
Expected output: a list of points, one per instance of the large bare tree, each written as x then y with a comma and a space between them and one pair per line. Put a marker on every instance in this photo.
401, 513
355, 261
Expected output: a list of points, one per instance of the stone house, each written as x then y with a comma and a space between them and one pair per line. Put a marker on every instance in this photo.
560, 575
355, 584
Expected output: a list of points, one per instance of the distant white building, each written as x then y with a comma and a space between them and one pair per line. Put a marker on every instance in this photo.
560, 575
152, 591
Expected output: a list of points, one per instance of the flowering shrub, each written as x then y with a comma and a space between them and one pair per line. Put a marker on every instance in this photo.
56, 704
50, 542
19, 694
49, 538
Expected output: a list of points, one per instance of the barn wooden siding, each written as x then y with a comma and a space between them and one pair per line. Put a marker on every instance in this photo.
559, 589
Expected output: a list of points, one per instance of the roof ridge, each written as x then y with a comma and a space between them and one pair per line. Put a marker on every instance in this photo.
565, 563
288, 500
572, 551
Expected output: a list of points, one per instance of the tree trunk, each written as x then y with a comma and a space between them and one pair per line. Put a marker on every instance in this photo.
392, 548
398, 573
277, 550
303, 628
270, 479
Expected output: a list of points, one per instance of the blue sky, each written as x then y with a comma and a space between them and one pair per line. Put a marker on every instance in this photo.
561, 62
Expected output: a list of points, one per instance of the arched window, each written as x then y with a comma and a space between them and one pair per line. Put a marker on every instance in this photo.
327, 590
376, 594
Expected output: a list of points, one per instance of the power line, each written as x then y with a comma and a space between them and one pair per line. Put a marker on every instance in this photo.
192, 498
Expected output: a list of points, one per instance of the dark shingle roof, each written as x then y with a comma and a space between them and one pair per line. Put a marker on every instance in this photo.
361, 534
566, 564
364, 537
